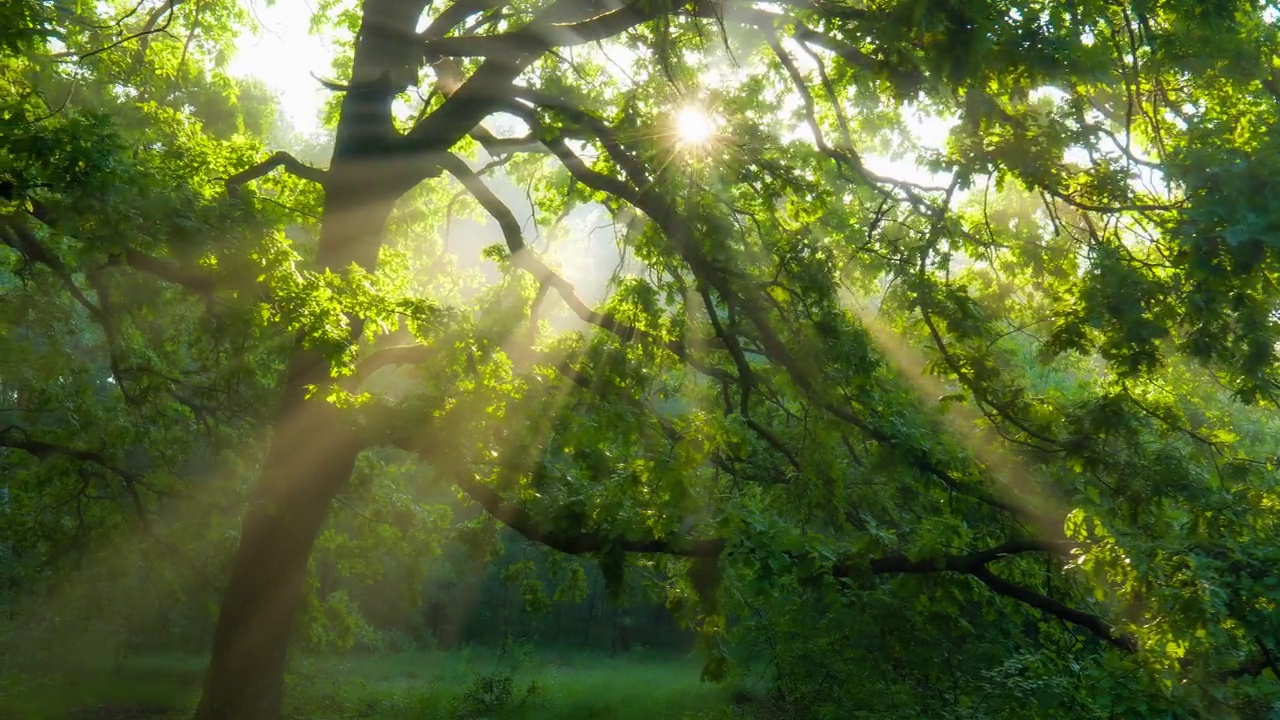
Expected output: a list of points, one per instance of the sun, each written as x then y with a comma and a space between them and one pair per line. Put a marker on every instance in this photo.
694, 126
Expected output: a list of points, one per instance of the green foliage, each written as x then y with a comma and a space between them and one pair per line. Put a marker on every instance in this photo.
995, 444
132, 399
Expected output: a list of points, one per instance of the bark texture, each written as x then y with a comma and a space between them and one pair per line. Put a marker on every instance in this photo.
309, 460
312, 452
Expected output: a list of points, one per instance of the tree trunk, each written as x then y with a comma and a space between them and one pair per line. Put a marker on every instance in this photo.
592, 599
310, 458
312, 451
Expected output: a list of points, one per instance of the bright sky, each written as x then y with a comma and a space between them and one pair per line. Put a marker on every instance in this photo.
284, 55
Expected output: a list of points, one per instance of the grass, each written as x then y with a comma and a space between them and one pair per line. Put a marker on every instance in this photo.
469, 684
54, 693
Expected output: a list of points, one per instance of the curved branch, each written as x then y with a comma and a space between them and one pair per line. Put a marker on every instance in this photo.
539, 37
280, 159
979, 393
489, 87
452, 16
501, 146
578, 542
198, 280
669, 219
746, 382
770, 22
42, 450
149, 28
21, 238
1093, 623
390, 357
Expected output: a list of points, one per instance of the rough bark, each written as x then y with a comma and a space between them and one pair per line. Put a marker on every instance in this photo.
312, 453
309, 460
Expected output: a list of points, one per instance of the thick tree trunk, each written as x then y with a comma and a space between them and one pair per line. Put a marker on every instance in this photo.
310, 458
312, 451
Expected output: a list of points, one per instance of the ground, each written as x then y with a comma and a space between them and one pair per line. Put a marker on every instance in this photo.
464, 685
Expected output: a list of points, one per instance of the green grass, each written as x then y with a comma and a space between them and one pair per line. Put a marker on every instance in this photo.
51, 693
405, 686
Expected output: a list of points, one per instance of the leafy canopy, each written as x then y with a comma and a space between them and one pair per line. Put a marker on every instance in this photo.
959, 444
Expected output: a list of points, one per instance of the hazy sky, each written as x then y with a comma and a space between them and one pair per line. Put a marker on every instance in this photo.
284, 54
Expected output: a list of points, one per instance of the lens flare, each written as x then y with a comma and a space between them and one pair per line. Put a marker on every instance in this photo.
694, 126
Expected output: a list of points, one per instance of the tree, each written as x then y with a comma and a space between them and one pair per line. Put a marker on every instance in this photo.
998, 406
978, 62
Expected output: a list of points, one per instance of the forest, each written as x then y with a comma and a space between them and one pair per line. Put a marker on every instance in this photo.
641, 360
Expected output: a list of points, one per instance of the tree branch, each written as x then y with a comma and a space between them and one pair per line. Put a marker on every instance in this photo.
21, 238
577, 543
539, 37
280, 159
1093, 623
452, 16
525, 259
770, 22
668, 218
149, 28
488, 88
390, 357
1252, 667
974, 564
14, 437
746, 382
499, 146
198, 280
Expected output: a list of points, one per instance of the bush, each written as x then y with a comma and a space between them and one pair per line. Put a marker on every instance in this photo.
493, 693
